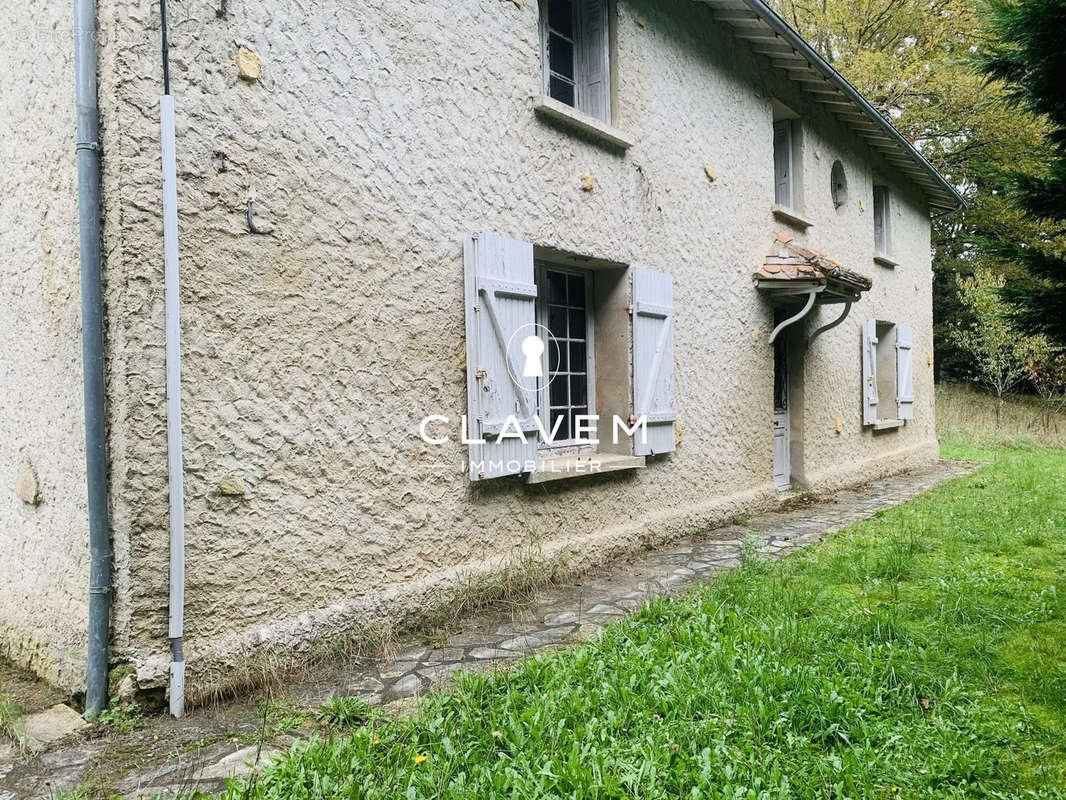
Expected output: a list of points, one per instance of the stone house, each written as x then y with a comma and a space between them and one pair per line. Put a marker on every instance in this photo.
395, 215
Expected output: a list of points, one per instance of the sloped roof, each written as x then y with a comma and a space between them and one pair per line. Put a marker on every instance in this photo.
787, 261
770, 36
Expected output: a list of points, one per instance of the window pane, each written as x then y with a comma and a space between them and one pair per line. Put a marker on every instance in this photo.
557, 321
561, 17
576, 290
561, 56
561, 90
556, 288
564, 427
557, 395
578, 357
579, 390
557, 356
579, 412
577, 324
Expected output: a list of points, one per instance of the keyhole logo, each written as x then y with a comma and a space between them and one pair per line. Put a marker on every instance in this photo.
532, 349
526, 350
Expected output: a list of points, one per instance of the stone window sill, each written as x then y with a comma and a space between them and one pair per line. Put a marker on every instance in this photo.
791, 217
885, 261
563, 467
550, 109
888, 424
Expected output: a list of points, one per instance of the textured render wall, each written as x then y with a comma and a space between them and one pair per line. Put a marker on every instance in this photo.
43, 547
903, 294
377, 136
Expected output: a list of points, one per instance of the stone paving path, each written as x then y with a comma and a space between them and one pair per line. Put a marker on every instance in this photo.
557, 617
564, 614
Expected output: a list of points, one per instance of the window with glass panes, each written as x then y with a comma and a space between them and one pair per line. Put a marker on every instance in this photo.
561, 48
576, 43
564, 309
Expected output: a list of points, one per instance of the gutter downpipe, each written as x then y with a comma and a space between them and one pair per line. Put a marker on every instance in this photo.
172, 304
812, 294
87, 147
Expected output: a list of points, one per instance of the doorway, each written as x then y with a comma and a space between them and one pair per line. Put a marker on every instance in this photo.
782, 469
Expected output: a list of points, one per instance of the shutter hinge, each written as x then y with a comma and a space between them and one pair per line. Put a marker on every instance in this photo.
482, 377
629, 310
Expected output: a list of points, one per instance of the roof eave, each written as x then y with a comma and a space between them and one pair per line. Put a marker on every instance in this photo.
942, 195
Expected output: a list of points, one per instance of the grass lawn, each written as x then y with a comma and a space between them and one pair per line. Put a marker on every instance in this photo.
919, 654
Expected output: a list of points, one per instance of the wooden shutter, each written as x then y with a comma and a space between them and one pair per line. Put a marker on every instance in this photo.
653, 360
594, 59
869, 372
500, 305
881, 219
904, 373
783, 163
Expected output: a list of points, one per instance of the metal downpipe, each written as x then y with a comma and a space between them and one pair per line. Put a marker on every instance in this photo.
92, 339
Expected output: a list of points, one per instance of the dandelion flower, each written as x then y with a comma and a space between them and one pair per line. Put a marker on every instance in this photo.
420, 758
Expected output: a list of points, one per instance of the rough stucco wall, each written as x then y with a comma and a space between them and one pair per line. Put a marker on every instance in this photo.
378, 135
831, 368
43, 548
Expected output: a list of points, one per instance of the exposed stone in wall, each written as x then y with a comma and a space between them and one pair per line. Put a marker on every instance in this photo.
27, 486
249, 67
231, 486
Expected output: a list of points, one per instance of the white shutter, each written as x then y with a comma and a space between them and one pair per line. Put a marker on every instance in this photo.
594, 59
500, 304
783, 163
881, 219
653, 360
904, 373
869, 372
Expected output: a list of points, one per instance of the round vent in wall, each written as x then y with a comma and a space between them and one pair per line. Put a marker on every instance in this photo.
838, 184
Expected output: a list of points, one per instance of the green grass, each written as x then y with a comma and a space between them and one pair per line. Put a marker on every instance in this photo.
9, 712
920, 654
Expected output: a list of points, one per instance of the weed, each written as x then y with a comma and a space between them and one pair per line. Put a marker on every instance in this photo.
278, 717
9, 712
121, 716
344, 712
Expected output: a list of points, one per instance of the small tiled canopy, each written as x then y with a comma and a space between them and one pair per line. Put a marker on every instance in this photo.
789, 269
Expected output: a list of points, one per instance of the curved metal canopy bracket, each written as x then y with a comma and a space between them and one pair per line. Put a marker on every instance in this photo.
833, 324
811, 295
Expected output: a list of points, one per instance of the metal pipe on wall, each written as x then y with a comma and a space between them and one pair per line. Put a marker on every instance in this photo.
175, 467
92, 339
172, 305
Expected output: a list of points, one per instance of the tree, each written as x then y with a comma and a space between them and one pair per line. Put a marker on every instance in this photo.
1046, 373
1023, 50
1001, 357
